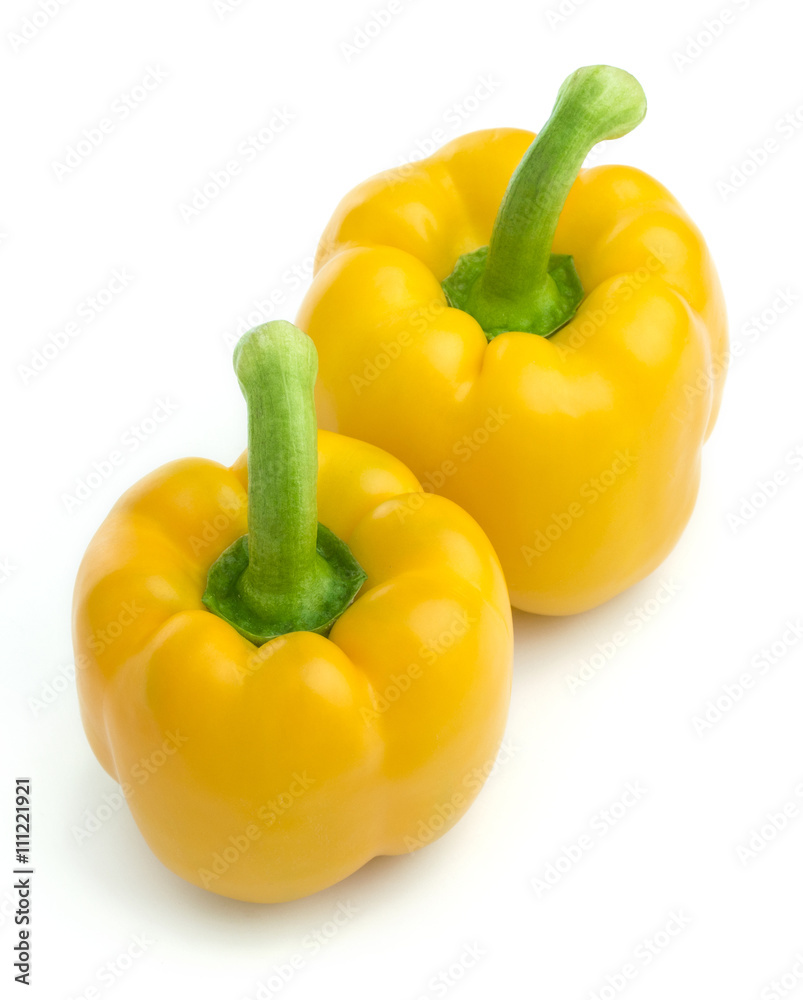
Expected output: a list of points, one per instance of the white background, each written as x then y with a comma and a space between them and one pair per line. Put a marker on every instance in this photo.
168, 335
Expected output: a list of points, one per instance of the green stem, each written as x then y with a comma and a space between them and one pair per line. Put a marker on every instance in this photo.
276, 366
516, 283
289, 573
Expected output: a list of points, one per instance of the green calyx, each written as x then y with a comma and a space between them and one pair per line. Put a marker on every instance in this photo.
516, 282
289, 573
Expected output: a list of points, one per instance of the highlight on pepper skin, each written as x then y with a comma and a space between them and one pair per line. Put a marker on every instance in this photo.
545, 345
364, 712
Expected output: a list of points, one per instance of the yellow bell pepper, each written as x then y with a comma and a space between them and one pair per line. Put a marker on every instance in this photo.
544, 345
270, 735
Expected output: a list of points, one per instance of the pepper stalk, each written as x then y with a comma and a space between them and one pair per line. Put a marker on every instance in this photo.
289, 573
516, 282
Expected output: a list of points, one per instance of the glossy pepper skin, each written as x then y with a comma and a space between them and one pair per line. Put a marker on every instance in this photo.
578, 453
268, 772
